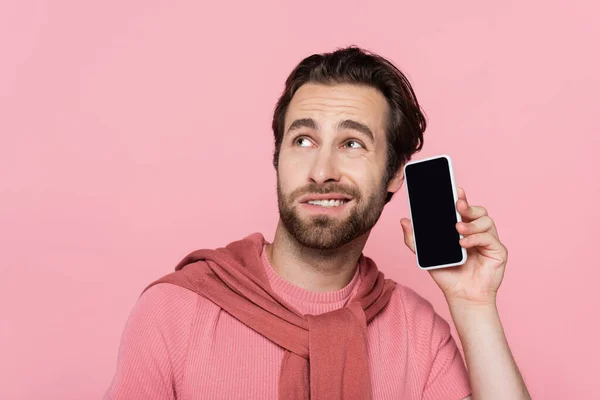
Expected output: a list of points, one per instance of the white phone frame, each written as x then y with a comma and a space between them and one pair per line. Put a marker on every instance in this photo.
458, 216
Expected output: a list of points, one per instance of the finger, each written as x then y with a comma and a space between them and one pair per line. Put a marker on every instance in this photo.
469, 212
407, 230
461, 194
487, 243
480, 225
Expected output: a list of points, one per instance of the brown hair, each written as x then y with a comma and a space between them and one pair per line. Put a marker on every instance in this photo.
353, 65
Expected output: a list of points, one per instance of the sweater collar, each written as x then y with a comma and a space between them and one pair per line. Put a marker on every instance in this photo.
286, 289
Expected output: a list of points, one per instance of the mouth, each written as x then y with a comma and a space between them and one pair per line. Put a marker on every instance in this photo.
327, 200
327, 203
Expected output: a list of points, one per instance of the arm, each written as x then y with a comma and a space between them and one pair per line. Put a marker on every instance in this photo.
471, 290
493, 373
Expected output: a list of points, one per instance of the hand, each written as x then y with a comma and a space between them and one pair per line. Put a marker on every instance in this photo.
478, 279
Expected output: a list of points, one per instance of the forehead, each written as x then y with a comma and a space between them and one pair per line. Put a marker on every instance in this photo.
329, 103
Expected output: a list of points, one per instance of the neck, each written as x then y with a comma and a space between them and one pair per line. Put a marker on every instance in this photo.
313, 269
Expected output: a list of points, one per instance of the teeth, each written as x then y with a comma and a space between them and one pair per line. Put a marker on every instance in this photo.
327, 203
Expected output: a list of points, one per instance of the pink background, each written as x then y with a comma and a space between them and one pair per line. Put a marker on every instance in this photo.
135, 132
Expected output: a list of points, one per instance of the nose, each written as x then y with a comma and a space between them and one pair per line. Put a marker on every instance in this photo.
325, 167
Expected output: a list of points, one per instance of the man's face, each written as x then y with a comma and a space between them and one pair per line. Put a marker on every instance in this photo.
330, 178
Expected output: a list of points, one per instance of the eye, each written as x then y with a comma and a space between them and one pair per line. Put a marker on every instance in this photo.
356, 142
298, 141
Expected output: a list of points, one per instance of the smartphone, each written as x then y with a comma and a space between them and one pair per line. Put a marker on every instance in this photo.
432, 200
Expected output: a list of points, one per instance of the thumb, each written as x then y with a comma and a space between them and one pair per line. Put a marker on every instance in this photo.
407, 230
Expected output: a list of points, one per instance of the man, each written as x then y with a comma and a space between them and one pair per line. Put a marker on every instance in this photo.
309, 315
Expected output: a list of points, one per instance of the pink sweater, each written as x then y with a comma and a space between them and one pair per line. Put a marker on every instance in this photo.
179, 345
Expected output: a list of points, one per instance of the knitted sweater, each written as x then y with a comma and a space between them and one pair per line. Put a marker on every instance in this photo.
179, 345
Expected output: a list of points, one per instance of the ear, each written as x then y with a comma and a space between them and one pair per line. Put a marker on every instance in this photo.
396, 182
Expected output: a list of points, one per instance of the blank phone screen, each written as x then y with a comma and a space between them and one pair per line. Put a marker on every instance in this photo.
433, 212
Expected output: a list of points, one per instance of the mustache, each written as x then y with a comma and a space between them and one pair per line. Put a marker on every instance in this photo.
332, 188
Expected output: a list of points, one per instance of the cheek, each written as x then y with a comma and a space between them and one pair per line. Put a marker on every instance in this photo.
288, 178
292, 166
362, 170
287, 172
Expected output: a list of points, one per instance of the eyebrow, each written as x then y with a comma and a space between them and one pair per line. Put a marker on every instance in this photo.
356, 126
345, 124
303, 123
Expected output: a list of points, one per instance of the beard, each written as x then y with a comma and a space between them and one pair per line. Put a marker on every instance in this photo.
324, 232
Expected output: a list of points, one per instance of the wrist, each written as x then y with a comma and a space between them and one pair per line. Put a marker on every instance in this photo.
472, 303
468, 312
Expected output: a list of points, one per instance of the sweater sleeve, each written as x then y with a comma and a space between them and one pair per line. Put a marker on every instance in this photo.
448, 372
440, 362
153, 345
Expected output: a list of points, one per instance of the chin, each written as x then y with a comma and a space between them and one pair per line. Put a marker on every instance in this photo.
323, 238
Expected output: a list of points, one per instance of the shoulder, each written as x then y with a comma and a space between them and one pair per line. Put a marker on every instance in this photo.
170, 306
166, 293
408, 300
417, 313
164, 297
154, 342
